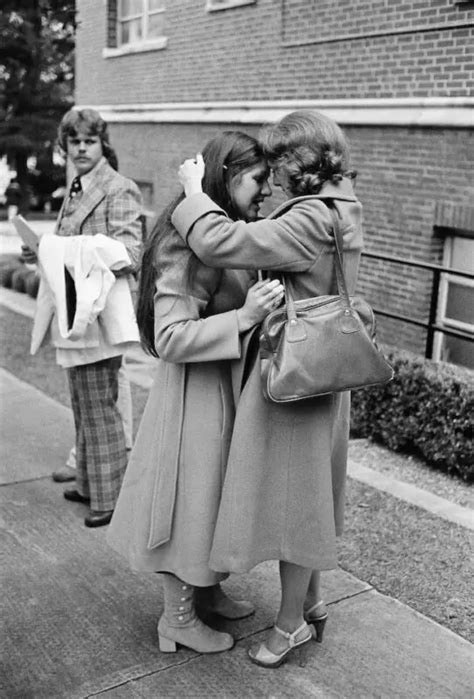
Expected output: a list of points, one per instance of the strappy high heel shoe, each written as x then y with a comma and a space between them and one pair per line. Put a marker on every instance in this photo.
266, 658
317, 621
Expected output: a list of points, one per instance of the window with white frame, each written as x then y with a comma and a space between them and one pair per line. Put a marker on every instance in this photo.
456, 303
213, 5
140, 21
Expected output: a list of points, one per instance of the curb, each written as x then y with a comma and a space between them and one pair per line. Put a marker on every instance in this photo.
462, 516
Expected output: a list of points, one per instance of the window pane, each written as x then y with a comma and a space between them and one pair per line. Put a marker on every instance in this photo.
458, 351
131, 32
124, 33
131, 7
156, 25
460, 303
463, 254
156, 5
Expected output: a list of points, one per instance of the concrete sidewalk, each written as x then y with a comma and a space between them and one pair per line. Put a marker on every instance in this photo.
78, 623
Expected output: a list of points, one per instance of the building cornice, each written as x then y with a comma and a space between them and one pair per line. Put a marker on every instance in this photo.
453, 112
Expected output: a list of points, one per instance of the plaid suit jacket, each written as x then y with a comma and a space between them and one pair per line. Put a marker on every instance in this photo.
111, 205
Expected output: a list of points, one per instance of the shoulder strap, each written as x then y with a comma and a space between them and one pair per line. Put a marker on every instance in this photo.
338, 263
338, 257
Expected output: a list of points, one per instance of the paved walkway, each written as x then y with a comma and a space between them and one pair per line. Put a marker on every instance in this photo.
78, 623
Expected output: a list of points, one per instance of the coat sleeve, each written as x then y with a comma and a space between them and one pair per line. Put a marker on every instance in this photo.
290, 243
184, 334
124, 218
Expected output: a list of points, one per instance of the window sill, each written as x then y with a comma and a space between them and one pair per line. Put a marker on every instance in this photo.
142, 47
211, 7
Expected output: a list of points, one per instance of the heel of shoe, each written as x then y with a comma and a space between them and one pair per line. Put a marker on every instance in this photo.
301, 654
166, 645
318, 626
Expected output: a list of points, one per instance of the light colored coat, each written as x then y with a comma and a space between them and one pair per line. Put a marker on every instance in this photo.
167, 508
283, 495
89, 260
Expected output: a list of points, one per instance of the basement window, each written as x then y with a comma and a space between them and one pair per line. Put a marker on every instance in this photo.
456, 303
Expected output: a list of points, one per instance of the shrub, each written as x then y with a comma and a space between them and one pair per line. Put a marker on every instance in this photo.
8, 266
14, 274
427, 409
32, 281
18, 279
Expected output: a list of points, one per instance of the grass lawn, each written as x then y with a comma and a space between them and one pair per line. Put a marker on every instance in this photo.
400, 549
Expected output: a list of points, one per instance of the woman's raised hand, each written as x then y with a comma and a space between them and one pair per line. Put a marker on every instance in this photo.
190, 175
262, 297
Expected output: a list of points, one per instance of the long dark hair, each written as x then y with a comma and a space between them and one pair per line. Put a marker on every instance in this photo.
226, 156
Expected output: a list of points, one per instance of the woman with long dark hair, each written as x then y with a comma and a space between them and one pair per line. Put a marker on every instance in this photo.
193, 318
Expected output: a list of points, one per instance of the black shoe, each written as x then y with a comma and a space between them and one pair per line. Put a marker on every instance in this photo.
72, 495
97, 518
64, 474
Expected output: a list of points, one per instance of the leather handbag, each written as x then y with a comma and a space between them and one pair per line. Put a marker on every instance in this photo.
326, 344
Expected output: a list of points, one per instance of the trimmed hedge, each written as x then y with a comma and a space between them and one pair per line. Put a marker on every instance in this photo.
8, 265
14, 274
427, 410
32, 281
18, 279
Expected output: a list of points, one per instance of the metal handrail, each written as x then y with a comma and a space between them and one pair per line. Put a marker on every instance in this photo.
430, 325
418, 263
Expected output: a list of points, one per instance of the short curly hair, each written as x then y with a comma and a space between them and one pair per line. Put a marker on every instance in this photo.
90, 120
310, 147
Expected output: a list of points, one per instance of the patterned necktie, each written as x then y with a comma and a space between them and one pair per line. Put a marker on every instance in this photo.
76, 188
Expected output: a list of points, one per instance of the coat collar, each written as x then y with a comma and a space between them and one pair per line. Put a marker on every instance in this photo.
341, 190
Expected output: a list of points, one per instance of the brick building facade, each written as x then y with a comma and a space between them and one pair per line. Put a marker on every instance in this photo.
396, 74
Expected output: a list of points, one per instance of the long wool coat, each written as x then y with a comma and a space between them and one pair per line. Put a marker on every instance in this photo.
283, 495
167, 508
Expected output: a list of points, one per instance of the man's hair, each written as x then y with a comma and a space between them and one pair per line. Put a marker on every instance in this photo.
88, 120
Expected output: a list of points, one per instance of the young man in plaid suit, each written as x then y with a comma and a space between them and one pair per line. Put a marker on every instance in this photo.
99, 200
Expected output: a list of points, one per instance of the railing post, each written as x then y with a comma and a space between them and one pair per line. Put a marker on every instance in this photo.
432, 315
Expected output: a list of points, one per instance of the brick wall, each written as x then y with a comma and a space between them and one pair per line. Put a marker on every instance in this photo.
302, 49
272, 50
404, 176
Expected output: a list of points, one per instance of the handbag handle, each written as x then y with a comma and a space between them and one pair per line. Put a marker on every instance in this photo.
340, 278
339, 259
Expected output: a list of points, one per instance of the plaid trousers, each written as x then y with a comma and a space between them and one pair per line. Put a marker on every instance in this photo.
101, 455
